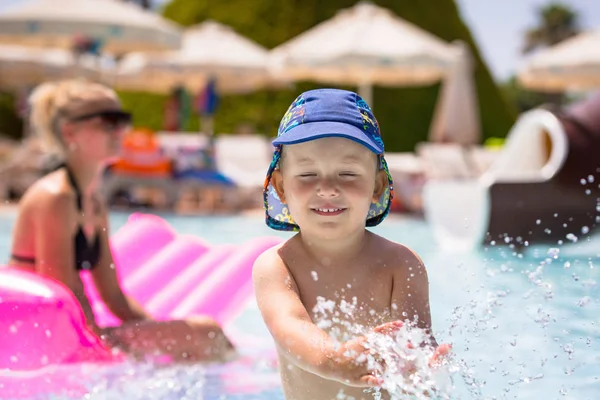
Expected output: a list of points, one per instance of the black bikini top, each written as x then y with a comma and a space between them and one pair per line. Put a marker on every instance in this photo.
87, 255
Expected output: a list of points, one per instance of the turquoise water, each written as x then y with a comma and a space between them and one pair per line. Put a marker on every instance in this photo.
523, 326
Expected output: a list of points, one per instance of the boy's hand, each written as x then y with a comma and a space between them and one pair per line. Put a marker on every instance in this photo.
439, 355
352, 358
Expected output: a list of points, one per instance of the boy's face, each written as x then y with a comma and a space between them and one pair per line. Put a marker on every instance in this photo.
329, 185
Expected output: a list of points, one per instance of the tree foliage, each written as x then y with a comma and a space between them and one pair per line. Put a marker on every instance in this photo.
556, 22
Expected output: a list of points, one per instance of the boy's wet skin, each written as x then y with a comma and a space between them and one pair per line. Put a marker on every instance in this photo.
367, 279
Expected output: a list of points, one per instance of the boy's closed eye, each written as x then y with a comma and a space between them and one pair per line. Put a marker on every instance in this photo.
306, 175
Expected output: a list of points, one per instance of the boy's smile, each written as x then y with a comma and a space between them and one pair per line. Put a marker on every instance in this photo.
329, 211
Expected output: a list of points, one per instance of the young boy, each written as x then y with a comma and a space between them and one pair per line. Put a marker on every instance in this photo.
328, 176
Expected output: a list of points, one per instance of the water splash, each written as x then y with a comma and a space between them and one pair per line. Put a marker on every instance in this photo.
148, 381
398, 358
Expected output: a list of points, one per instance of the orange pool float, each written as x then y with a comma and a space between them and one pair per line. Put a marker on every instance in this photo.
141, 155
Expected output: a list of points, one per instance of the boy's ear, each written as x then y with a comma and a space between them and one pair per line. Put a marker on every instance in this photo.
381, 182
277, 182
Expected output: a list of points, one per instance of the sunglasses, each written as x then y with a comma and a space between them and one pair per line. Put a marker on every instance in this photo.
113, 119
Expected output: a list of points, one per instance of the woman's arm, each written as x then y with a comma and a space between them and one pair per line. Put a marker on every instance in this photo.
107, 281
54, 224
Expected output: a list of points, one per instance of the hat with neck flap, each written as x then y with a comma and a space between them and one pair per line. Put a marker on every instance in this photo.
318, 114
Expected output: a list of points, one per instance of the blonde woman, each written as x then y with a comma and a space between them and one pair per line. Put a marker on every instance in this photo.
62, 224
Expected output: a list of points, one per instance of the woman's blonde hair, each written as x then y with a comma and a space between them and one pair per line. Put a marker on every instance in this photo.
50, 102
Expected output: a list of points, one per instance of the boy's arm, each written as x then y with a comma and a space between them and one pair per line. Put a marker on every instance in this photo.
296, 336
411, 293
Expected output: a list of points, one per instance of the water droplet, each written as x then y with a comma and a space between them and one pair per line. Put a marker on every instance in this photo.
588, 191
553, 252
314, 275
563, 391
538, 221
12, 329
14, 359
567, 265
591, 178
48, 333
555, 215
584, 301
583, 181
585, 230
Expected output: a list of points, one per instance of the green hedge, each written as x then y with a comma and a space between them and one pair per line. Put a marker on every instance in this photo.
10, 124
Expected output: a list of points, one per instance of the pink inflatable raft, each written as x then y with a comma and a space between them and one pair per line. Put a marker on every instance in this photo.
172, 275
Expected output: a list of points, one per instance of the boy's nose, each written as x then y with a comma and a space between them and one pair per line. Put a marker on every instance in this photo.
327, 188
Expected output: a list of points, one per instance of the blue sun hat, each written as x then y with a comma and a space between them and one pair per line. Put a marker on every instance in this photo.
326, 113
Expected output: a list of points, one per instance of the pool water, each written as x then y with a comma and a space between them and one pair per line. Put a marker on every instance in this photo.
522, 326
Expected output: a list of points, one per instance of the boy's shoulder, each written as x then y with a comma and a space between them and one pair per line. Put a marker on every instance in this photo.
269, 257
275, 259
270, 266
399, 253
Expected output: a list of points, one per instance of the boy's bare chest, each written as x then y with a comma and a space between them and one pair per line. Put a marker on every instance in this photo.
346, 301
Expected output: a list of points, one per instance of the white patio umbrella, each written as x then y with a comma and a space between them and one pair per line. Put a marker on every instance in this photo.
364, 45
209, 50
22, 67
572, 64
121, 27
456, 116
